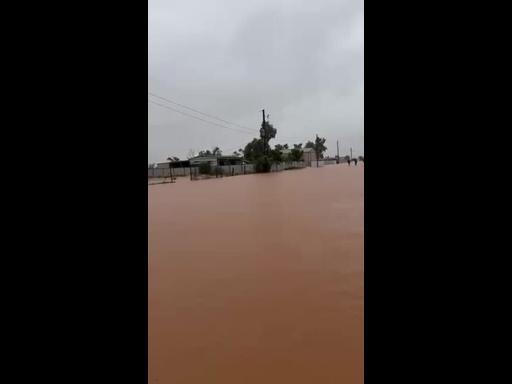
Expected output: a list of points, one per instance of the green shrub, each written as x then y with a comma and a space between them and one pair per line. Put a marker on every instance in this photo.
262, 164
205, 168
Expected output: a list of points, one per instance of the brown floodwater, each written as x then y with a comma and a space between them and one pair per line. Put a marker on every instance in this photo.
257, 278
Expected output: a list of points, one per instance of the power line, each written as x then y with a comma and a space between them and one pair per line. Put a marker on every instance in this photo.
232, 149
202, 113
214, 117
198, 118
292, 138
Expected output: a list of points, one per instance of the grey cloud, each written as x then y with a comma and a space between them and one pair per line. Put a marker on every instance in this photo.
301, 61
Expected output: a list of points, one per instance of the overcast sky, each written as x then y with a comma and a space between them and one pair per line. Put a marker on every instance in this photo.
302, 61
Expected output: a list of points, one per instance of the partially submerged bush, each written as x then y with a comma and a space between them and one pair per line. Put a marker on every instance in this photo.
263, 164
219, 170
205, 168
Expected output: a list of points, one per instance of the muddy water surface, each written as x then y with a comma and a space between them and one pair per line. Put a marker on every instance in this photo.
257, 278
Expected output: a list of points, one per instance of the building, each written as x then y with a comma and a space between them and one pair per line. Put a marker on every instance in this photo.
163, 165
174, 164
231, 160
308, 155
196, 161
217, 160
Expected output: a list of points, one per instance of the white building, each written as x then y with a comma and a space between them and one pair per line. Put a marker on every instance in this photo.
308, 155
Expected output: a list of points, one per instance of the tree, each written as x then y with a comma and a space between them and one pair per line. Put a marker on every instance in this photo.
361, 158
319, 148
296, 154
258, 150
216, 152
276, 156
205, 168
267, 132
205, 153
254, 150
191, 154
263, 164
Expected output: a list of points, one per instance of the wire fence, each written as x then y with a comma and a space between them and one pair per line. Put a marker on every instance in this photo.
169, 175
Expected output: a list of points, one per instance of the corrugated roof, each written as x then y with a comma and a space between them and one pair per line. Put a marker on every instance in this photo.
286, 151
215, 157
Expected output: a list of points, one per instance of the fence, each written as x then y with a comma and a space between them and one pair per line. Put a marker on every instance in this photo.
221, 171
159, 172
321, 163
240, 169
287, 165
218, 171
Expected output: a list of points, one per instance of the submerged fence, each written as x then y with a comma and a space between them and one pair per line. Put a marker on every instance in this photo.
321, 163
218, 171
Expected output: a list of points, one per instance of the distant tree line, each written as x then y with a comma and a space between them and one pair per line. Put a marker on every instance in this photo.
259, 152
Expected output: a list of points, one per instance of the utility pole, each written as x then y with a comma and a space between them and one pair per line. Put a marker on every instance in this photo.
316, 150
350, 153
170, 172
263, 133
338, 157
